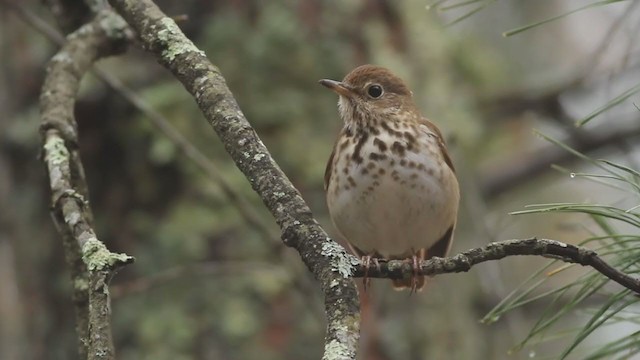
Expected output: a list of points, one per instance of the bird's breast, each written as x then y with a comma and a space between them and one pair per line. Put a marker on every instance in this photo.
391, 192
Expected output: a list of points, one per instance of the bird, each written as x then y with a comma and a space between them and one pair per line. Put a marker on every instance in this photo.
391, 187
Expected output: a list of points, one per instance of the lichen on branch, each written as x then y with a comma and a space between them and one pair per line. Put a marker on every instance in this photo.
92, 264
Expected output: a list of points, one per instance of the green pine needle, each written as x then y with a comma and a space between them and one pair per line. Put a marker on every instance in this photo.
558, 17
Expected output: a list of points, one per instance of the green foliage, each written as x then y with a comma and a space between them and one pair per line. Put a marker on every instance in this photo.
610, 104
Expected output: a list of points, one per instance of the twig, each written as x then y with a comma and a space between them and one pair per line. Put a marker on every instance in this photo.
463, 262
35, 21
160, 35
92, 265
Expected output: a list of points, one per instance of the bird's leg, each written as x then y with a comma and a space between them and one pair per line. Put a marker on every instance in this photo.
366, 262
377, 264
415, 266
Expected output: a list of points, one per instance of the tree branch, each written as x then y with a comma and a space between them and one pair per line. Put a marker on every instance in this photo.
92, 265
325, 259
463, 262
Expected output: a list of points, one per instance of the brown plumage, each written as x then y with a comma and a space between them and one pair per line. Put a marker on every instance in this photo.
391, 187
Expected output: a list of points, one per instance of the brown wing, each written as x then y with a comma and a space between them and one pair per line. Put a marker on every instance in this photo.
328, 169
441, 142
442, 246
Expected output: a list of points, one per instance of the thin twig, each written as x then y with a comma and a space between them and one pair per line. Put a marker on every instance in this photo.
463, 262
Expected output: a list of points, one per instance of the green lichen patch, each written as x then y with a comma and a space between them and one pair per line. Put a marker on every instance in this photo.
335, 350
55, 151
341, 261
175, 43
347, 333
97, 257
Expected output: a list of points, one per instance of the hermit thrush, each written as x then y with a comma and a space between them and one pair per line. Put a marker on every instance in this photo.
392, 192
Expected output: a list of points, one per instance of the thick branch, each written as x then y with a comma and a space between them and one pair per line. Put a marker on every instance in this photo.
91, 263
160, 35
397, 269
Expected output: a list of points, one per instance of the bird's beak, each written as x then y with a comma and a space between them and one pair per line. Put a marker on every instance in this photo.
338, 87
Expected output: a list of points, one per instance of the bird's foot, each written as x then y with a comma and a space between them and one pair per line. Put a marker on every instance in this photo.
366, 262
415, 266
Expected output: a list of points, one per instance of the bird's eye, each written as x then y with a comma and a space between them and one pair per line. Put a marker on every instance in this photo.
375, 91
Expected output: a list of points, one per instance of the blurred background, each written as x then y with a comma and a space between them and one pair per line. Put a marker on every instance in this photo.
212, 279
